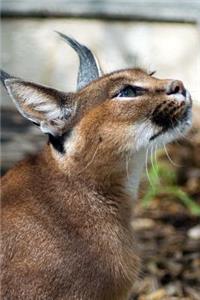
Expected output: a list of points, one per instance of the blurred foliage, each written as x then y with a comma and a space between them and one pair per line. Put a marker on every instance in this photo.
163, 184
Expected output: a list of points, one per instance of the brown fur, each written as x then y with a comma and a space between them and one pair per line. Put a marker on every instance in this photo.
66, 230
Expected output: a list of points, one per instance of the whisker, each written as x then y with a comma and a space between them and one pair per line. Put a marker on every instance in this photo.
127, 167
152, 162
155, 158
169, 158
147, 171
91, 161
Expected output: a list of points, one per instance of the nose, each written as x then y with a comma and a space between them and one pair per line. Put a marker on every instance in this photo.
176, 87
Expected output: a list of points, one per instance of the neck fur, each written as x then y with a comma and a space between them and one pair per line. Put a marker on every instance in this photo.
122, 176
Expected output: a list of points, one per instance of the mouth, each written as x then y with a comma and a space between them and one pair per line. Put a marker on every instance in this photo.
157, 134
183, 123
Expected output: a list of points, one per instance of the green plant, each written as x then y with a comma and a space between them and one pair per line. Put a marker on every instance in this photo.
162, 180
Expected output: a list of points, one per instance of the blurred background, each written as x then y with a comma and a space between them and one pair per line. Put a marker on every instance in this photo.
152, 34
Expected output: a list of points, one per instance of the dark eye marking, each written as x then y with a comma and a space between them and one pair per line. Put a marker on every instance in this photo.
152, 73
131, 91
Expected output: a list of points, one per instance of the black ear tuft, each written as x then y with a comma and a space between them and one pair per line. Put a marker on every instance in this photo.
4, 76
89, 69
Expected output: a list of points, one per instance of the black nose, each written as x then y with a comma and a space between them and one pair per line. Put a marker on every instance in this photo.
176, 87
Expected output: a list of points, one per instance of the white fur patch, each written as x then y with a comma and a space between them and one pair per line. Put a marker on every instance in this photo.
143, 132
134, 168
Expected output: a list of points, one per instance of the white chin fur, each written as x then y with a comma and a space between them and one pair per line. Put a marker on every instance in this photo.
146, 130
173, 134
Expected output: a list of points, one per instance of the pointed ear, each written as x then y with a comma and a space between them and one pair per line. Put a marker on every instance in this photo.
89, 68
52, 110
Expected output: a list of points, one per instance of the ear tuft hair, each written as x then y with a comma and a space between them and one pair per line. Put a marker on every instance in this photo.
4, 76
89, 69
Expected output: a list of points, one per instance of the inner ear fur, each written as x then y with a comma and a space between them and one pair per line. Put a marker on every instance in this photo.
51, 109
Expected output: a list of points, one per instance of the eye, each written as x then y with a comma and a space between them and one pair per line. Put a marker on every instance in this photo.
131, 91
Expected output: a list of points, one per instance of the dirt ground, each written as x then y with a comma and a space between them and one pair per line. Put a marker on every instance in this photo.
168, 229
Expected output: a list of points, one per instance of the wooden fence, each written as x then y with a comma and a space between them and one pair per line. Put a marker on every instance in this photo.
148, 10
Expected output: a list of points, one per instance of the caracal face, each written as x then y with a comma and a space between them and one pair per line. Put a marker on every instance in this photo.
109, 117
